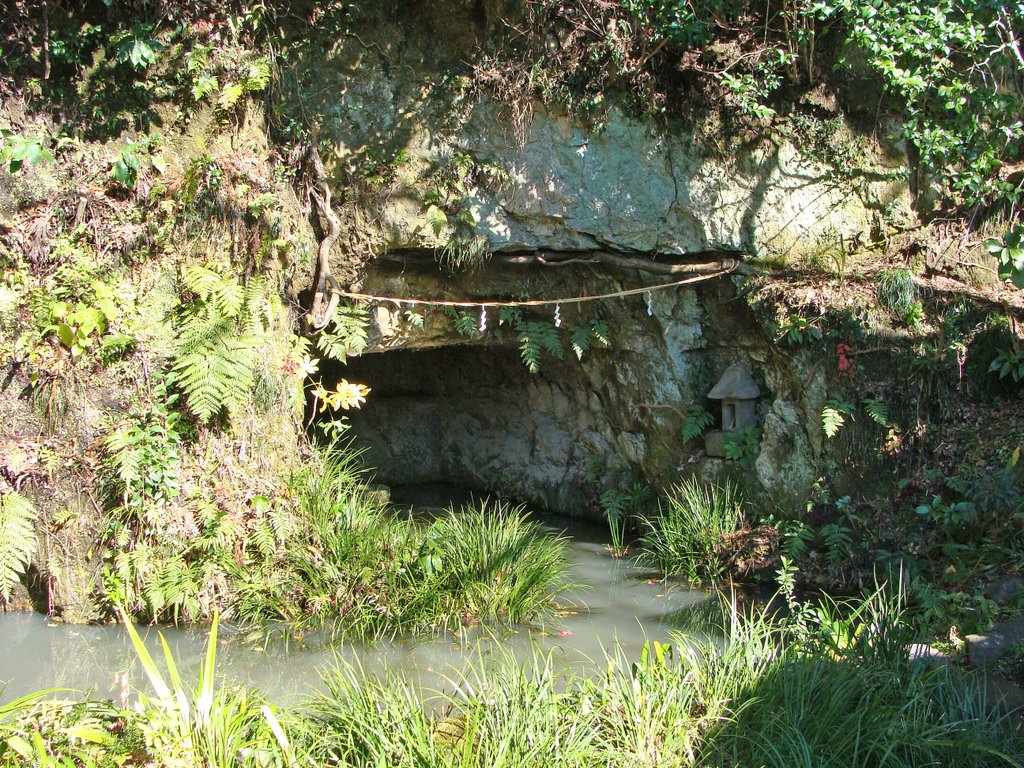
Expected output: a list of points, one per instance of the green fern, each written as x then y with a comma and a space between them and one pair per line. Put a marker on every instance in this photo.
585, 333
579, 339
257, 76
219, 333
837, 541
203, 86
17, 539
348, 334
833, 416
697, 420
214, 288
877, 411
535, 337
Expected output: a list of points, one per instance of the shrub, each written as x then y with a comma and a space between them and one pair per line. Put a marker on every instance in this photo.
687, 534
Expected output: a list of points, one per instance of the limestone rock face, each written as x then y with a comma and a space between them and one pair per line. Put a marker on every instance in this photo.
633, 187
629, 187
553, 183
786, 464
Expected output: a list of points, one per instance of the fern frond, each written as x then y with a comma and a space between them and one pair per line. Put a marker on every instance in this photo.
579, 339
215, 360
877, 411
262, 536
255, 312
529, 350
535, 337
120, 458
204, 85
348, 335
599, 331
17, 539
831, 420
229, 95
257, 77
697, 420
223, 293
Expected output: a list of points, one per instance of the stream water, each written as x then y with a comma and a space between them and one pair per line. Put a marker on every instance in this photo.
614, 604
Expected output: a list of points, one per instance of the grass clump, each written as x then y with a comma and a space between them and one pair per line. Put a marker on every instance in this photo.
687, 535
834, 686
897, 292
357, 567
502, 715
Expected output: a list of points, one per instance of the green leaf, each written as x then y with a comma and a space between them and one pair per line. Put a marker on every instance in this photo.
437, 219
17, 539
66, 334
877, 411
697, 420
831, 420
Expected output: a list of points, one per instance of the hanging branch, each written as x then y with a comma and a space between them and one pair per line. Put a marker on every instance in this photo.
325, 293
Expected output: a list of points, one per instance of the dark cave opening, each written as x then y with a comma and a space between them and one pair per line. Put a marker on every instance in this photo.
474, 416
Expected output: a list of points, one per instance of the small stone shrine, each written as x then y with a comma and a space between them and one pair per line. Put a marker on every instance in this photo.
738, 392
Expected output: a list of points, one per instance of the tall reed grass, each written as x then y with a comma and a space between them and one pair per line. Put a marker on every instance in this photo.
353, 566
687, 536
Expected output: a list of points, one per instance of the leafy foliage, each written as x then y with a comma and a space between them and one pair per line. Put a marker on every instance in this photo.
742, 446
17, 539
353, 567
877, 411
1008, 362
141, 455
946, 60
17, 149
220, 328
618, 506
465, 322
136, 47
798, 329
585, 333
537, 337
834, 414
696, 422
1010, 253
347, 334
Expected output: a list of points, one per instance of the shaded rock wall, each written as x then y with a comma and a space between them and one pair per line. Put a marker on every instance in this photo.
445, 407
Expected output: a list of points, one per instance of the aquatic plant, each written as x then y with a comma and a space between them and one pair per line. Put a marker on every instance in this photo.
205, 725
687, 534
493, 563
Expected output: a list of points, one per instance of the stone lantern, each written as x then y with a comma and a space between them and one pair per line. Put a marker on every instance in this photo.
738, 392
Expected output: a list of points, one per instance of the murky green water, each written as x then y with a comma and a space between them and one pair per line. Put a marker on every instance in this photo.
615, 604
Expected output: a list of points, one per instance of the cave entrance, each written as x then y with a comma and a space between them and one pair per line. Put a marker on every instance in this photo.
475, 417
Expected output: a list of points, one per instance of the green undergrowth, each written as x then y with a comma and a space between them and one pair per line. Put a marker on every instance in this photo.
689, 531
362, 569
828, 685
331, 555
